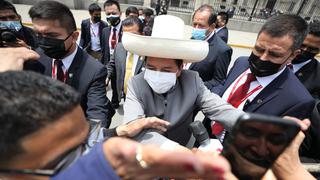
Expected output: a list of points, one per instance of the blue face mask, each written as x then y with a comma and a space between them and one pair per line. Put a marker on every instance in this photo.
12, 25
199, 34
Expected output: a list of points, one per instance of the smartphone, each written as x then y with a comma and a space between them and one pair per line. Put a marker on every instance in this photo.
255, 142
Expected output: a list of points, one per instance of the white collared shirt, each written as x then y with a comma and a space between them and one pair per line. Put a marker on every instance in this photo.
135, 61
117, 36
67, 61
263, 81
95, 36
297, 67
218, 29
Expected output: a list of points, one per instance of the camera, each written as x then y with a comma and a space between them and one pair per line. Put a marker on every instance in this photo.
8, 35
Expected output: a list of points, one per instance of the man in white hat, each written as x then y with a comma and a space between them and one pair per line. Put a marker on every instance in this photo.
167, 91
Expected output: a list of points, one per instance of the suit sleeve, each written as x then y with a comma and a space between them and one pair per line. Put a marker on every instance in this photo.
82, 39
222, 63
133, 107
216, 108
99, 106
111, 65
102, 44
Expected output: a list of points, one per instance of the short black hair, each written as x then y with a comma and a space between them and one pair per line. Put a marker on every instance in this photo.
224, 16
30, 101
53, 10
132, 9
6, 5
206, 7
110, 3
314, 28
179, 62
292, 25
94, 7
130, 21
148, 12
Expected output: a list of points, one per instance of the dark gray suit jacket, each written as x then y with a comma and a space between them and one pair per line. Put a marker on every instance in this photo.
117, 66
88, 77
213, 69
85, 41
223, 34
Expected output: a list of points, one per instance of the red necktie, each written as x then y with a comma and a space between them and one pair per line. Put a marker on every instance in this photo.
59, 74
114, 38
235, 100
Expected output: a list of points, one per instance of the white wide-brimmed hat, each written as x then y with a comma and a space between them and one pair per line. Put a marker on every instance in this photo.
170, 38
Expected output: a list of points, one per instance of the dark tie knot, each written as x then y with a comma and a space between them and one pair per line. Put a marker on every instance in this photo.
58, 63
251, 77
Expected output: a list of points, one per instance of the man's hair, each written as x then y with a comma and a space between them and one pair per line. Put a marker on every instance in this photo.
131, 21
224, 16
314, 28
132, 9
292, 25
206, 7
110, 3
29, 102
6, 5
148, 12
94, 7
179, 62
53, 10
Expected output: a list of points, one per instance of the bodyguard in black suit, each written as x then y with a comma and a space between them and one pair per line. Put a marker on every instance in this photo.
221, 29
305, 66
91, 31
110, 37
63, 60
213, 69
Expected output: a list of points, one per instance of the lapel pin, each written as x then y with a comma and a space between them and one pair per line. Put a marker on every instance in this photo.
70, 75
259, 101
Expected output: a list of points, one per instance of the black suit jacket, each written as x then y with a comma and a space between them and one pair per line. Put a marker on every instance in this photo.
213, 69
223, 34
105, 44
309, 75
87, 76
85, 41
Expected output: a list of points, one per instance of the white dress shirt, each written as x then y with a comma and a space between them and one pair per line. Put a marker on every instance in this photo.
263, 81
117, 36
95, 36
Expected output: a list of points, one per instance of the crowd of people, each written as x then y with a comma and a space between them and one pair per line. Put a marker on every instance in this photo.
55, 116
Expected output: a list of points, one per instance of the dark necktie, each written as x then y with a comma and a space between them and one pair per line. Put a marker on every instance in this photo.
235, 100
114, 38
59, 74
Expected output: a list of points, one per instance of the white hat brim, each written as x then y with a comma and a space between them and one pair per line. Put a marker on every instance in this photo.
187, 50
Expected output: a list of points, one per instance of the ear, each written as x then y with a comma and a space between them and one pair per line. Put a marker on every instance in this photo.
294, 54
75, 36
213, 26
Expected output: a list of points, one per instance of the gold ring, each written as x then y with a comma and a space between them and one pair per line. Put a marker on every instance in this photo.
139, 158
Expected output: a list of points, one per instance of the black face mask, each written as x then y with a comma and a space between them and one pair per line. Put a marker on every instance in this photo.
96, 19
53, 47
303, 57
114, 20
262, 68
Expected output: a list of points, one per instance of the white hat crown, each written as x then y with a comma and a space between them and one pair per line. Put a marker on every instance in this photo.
167, 26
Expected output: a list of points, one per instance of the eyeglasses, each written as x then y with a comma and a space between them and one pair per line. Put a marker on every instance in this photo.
54, 167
